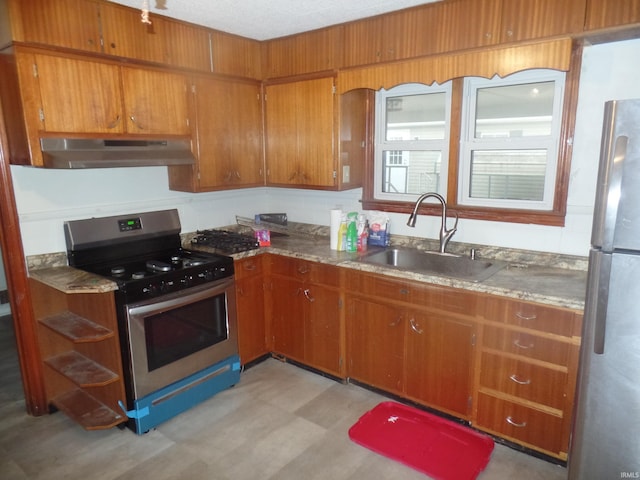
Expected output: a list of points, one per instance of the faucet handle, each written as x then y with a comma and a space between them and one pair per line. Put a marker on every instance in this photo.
455, 225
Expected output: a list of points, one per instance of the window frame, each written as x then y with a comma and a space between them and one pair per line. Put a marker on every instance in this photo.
381, 144
470, 143
553, 217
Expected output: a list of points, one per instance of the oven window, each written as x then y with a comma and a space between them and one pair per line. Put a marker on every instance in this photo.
180, 332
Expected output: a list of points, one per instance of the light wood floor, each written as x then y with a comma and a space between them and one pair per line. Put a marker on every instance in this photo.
280, 422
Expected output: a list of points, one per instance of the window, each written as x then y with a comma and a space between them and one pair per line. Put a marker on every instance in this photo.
496, 149
412, 141
509, 141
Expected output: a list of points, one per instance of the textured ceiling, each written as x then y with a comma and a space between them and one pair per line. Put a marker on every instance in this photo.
265, 19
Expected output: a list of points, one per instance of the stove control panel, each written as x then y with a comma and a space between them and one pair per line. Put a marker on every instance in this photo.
129, 224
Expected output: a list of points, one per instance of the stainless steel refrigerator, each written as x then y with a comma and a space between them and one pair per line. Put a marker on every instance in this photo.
605, 442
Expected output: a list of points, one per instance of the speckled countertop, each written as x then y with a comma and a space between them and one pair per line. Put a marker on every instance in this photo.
552, 279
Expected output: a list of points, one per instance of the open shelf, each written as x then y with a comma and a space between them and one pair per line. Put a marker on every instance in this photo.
87, 411
76, 328
81, 370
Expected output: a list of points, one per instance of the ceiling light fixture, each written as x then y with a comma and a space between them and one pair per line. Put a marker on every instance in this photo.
145, 12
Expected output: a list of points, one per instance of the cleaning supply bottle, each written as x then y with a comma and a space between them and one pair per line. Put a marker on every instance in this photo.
352, 232
363, 233
342, 234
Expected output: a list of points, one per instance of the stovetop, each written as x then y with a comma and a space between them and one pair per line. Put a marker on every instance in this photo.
156, 274
225, 241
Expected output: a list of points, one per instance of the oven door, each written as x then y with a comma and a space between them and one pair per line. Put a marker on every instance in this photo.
178, 334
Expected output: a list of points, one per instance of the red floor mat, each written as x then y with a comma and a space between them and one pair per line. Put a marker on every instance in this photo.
432, 445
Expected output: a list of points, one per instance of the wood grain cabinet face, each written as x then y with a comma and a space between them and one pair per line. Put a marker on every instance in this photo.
76, 96
61, 23
611, 13
313, 139
306, 313
299, 133
399, 340
527, 19
228, 137
252, 336
528, 370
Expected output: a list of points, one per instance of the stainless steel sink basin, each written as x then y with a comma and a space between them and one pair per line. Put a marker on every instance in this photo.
435, 263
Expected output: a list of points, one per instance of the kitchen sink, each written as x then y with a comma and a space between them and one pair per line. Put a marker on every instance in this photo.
435, 263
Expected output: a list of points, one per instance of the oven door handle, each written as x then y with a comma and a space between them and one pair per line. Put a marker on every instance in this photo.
180, 298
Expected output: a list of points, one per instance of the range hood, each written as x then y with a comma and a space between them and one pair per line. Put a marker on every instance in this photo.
102, 153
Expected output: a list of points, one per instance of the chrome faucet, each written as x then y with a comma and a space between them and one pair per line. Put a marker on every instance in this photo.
445, 235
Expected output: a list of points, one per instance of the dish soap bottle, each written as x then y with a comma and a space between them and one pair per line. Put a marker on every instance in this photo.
342, 234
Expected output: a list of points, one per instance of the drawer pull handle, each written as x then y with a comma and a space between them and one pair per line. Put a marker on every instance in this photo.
515, 378
404, 291
249, 266
522, 316
303, 270
517, 343
514, 423
415, 327
396, 322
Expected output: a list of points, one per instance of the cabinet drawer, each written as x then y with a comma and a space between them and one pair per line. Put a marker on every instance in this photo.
527, 345
524, 380
305, 270
417, 294
248, 267
531, 315
521, 423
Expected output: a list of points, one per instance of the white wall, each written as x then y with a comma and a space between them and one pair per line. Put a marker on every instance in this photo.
45, 198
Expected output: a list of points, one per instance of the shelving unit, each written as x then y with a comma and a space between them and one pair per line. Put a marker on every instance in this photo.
81, 354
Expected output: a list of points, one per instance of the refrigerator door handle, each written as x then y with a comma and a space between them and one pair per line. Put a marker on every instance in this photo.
614, 191
602, 303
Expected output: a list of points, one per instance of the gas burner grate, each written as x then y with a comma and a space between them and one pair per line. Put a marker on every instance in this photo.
225, 241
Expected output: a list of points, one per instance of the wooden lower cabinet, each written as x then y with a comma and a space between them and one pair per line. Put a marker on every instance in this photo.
306, 313
250, 304
527, 373
424, 354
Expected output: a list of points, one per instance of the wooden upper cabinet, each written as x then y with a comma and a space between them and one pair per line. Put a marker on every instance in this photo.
611, 13
156, 102
61, 23
363, 42
75, 95
531, 19
234, 55
229, 138
187, 46
467, 24
124, 35
299, 133
315, 51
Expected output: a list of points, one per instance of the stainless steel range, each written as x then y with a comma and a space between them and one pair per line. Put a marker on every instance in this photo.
176, 311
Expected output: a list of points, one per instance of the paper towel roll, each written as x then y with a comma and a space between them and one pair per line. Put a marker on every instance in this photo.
336, 217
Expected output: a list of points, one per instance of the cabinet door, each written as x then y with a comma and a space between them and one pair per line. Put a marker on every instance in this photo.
156, 102
234, 55
300, 127
229, 125
468, 24
439, 363
251, 318
363, 42
187, 46
79, 96
63, 23
529, 19
124, 35
287, 317
611, 13
375, 344
322, 329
